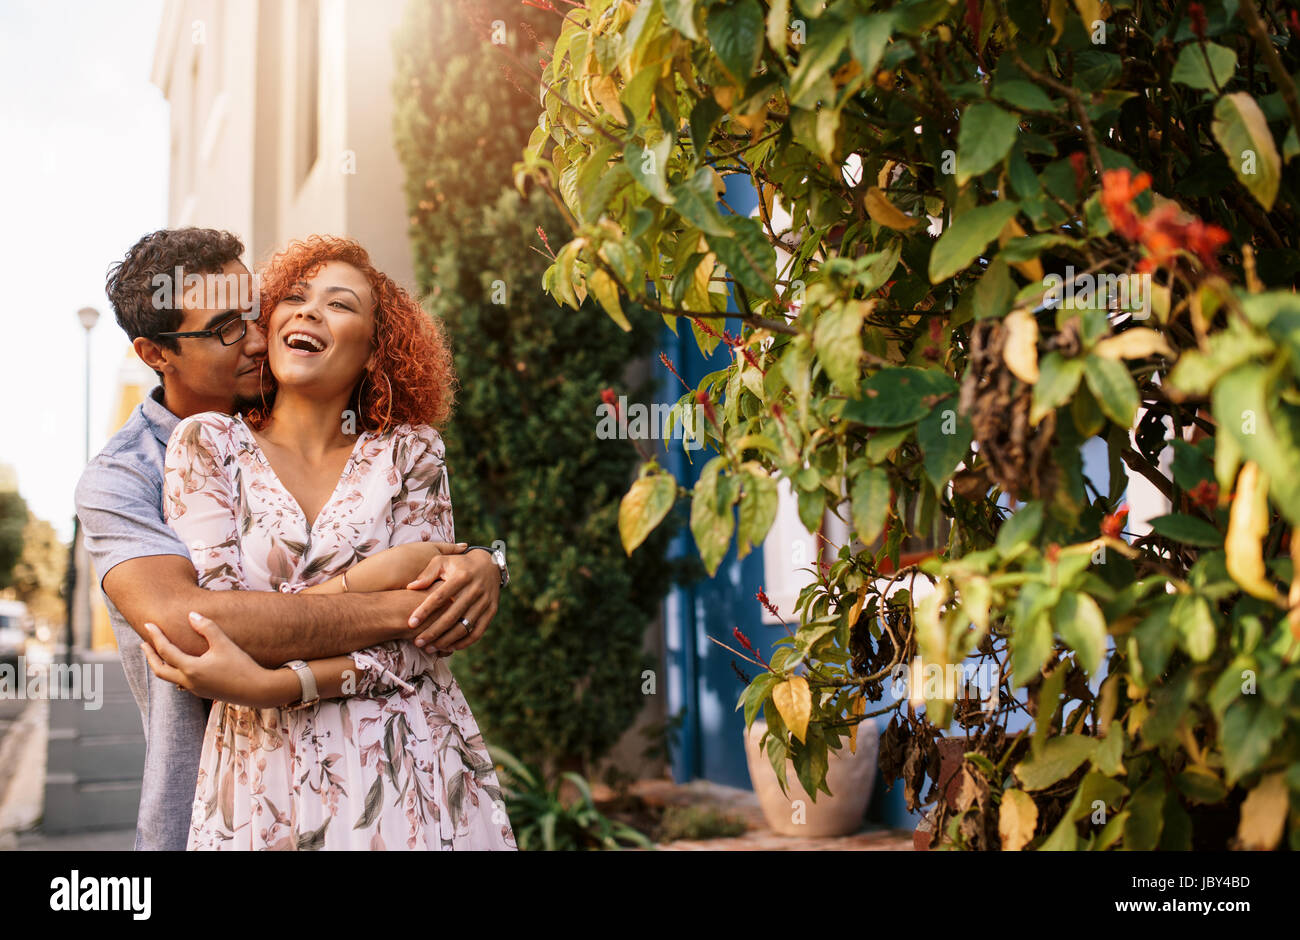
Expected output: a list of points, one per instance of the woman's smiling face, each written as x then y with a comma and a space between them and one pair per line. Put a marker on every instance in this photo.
321, 334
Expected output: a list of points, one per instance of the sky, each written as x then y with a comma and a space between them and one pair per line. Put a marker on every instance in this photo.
83, 174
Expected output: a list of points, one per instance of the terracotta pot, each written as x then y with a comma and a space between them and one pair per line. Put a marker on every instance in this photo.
850, 778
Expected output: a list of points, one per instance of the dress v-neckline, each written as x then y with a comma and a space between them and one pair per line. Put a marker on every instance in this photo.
266, 461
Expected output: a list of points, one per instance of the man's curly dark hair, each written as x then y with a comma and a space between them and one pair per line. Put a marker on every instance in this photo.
131, 288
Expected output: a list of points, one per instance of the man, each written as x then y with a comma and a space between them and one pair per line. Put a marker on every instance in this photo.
208, 352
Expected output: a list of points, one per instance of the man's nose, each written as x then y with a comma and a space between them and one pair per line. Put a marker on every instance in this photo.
254, 340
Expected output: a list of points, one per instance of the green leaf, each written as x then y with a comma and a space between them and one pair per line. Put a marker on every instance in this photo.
748, 255
649, 165
984, 139
1058, 378
1246, 735
1061, 756
1113, 387
697, 204
736, 34
643, 507
898, 396
680, 14
1191, 70
1187, 529
827, 38
838, 341
1242, 131
869, 501
711, 522
1080, 623
758, 504
1031, 644
1024, 94
869, 37
1021, 529
944, 436
1192, 618
1145, 816
968, 235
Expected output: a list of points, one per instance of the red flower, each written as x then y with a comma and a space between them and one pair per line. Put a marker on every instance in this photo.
1079, 163
608, 397
1199, 23
763, 599
742, 639
1118, 190
1164, 231
1205, 494
1113, 524
1053, 552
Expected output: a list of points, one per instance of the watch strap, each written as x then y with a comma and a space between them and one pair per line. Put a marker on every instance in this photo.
310, 695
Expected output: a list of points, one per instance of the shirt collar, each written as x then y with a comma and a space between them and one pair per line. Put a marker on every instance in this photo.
161, 421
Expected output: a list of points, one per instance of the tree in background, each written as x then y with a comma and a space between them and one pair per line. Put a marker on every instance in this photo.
38, 575
13, 519
558, 677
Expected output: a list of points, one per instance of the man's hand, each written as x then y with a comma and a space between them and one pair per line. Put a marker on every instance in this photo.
470, 588
224, 672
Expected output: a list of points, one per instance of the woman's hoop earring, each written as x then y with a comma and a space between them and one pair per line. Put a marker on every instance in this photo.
261, 387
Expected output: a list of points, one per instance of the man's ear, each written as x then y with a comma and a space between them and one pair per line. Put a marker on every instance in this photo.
151, 354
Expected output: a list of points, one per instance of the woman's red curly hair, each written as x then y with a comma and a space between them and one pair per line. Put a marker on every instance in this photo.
412, 351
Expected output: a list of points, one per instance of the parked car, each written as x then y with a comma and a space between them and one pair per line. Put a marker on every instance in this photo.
14, 624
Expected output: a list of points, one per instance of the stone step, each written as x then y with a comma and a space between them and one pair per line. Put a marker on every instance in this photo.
73, 806
96, 758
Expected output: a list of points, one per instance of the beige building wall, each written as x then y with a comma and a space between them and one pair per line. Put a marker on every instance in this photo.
281, 122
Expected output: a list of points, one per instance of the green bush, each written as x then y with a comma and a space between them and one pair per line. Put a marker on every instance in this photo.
933, 176
558, 675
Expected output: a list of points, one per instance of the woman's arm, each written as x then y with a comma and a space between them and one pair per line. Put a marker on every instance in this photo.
225, 673
389, 570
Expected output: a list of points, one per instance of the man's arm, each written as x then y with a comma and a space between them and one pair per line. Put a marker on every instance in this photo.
272, 628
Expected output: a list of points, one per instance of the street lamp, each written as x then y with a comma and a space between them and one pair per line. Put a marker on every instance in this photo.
88, 316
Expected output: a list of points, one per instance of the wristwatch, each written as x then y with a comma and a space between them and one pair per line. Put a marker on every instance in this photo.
308, 681
499, 557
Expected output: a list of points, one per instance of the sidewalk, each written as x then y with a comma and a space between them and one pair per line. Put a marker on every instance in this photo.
23, 749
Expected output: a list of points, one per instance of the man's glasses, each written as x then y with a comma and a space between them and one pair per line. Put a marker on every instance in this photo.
229, 331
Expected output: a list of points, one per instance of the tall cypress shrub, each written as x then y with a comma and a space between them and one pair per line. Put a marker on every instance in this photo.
558, 676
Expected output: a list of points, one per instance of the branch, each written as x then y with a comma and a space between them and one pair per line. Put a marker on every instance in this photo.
1275, 68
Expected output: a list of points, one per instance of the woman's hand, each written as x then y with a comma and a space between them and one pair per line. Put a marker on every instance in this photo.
224, 672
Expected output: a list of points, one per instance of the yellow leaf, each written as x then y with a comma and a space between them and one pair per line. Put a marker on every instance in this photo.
1017, 820
793, 699
1033, 268
1247, 526
1263, 814
1056, 16
882, 179
1136, 343
605, 91
1020, 351
885, 212
859, 707
606, 292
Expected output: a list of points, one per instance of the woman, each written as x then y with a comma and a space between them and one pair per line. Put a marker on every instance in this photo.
291, 497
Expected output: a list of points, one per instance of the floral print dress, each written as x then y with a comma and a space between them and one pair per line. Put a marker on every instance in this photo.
401, 763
